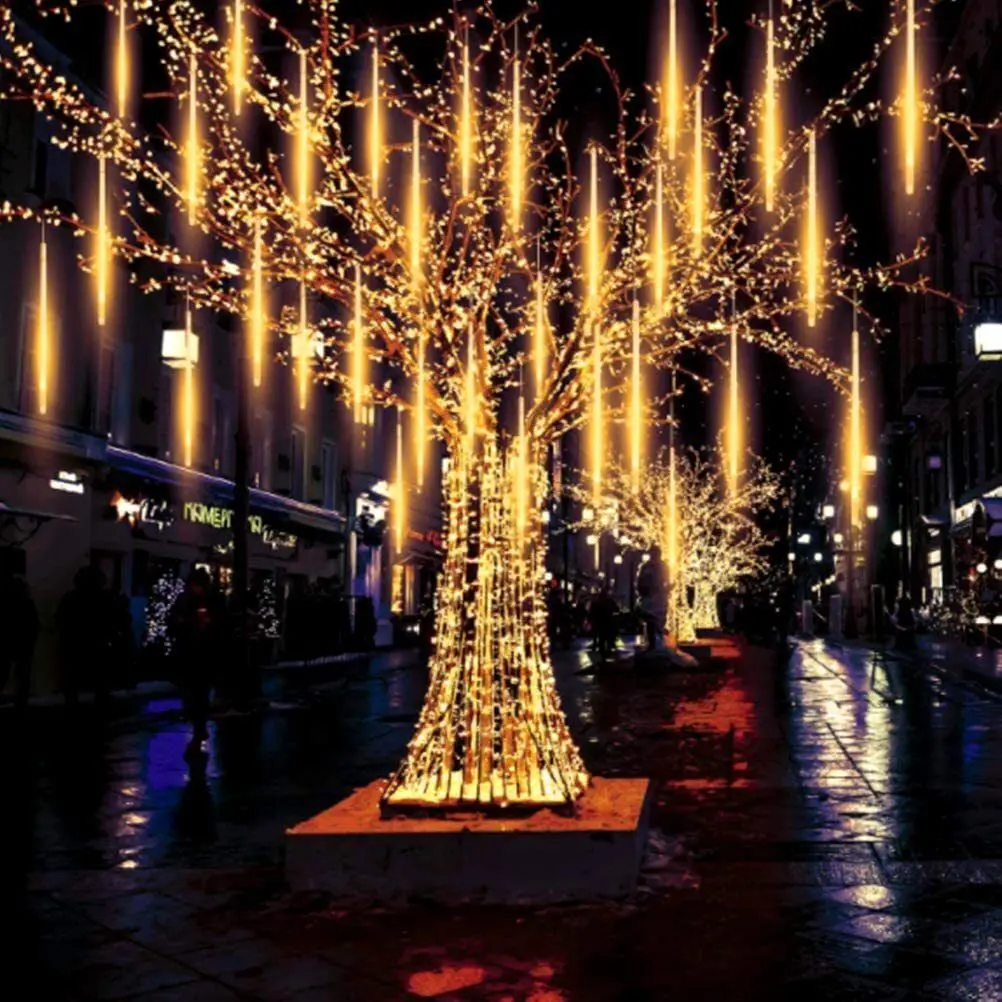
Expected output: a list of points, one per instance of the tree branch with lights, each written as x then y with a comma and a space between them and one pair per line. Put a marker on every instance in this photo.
430, 229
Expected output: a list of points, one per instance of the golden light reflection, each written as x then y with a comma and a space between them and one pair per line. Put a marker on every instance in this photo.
43, 333
594, 286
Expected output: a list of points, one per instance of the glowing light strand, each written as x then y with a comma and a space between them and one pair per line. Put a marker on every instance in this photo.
812, 250
358, 351
258, 318
43, 335
102, 263
770, 115
910, 101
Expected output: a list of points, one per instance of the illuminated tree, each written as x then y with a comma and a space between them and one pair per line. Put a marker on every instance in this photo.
709, 537
438, 217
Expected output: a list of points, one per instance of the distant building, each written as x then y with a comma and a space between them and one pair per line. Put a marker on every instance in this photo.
949, 456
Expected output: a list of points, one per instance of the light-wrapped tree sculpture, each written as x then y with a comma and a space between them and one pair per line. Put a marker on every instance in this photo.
438, 216
707, 532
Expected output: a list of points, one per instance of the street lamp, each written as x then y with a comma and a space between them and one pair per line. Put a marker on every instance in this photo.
896, 538
869, 464
828, 511
838, 538
872, 512
804, 539
818, 557
988, 341
981, 568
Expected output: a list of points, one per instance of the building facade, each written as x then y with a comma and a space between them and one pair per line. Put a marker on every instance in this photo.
950, 459
104, 463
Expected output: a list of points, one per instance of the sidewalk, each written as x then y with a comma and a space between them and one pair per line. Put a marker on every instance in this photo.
976, 664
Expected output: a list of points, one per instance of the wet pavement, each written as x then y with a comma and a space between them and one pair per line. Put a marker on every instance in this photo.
827, 829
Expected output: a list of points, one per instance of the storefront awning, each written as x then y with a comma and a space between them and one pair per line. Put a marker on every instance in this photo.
280, 511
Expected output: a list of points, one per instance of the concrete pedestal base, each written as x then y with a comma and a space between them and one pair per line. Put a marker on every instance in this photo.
351, 852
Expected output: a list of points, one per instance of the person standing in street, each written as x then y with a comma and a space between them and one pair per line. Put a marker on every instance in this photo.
197, 628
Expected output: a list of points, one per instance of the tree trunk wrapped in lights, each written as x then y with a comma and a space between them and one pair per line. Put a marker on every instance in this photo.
426, 218
491, 731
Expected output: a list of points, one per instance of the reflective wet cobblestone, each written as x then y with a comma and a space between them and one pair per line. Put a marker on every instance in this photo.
829, 829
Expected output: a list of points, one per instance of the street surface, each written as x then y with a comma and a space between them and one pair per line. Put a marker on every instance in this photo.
829, 829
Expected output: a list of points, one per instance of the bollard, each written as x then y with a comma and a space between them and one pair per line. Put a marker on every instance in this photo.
807, 618
835, 617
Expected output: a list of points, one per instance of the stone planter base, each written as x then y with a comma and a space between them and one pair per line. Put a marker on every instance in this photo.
351, 852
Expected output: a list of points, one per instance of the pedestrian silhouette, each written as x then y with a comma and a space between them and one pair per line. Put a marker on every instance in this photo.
197, 629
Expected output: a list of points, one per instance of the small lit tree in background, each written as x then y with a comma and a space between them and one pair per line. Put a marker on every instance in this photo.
715, 543
439, 216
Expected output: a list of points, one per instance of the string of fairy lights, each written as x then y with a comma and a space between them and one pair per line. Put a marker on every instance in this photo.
451, 260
